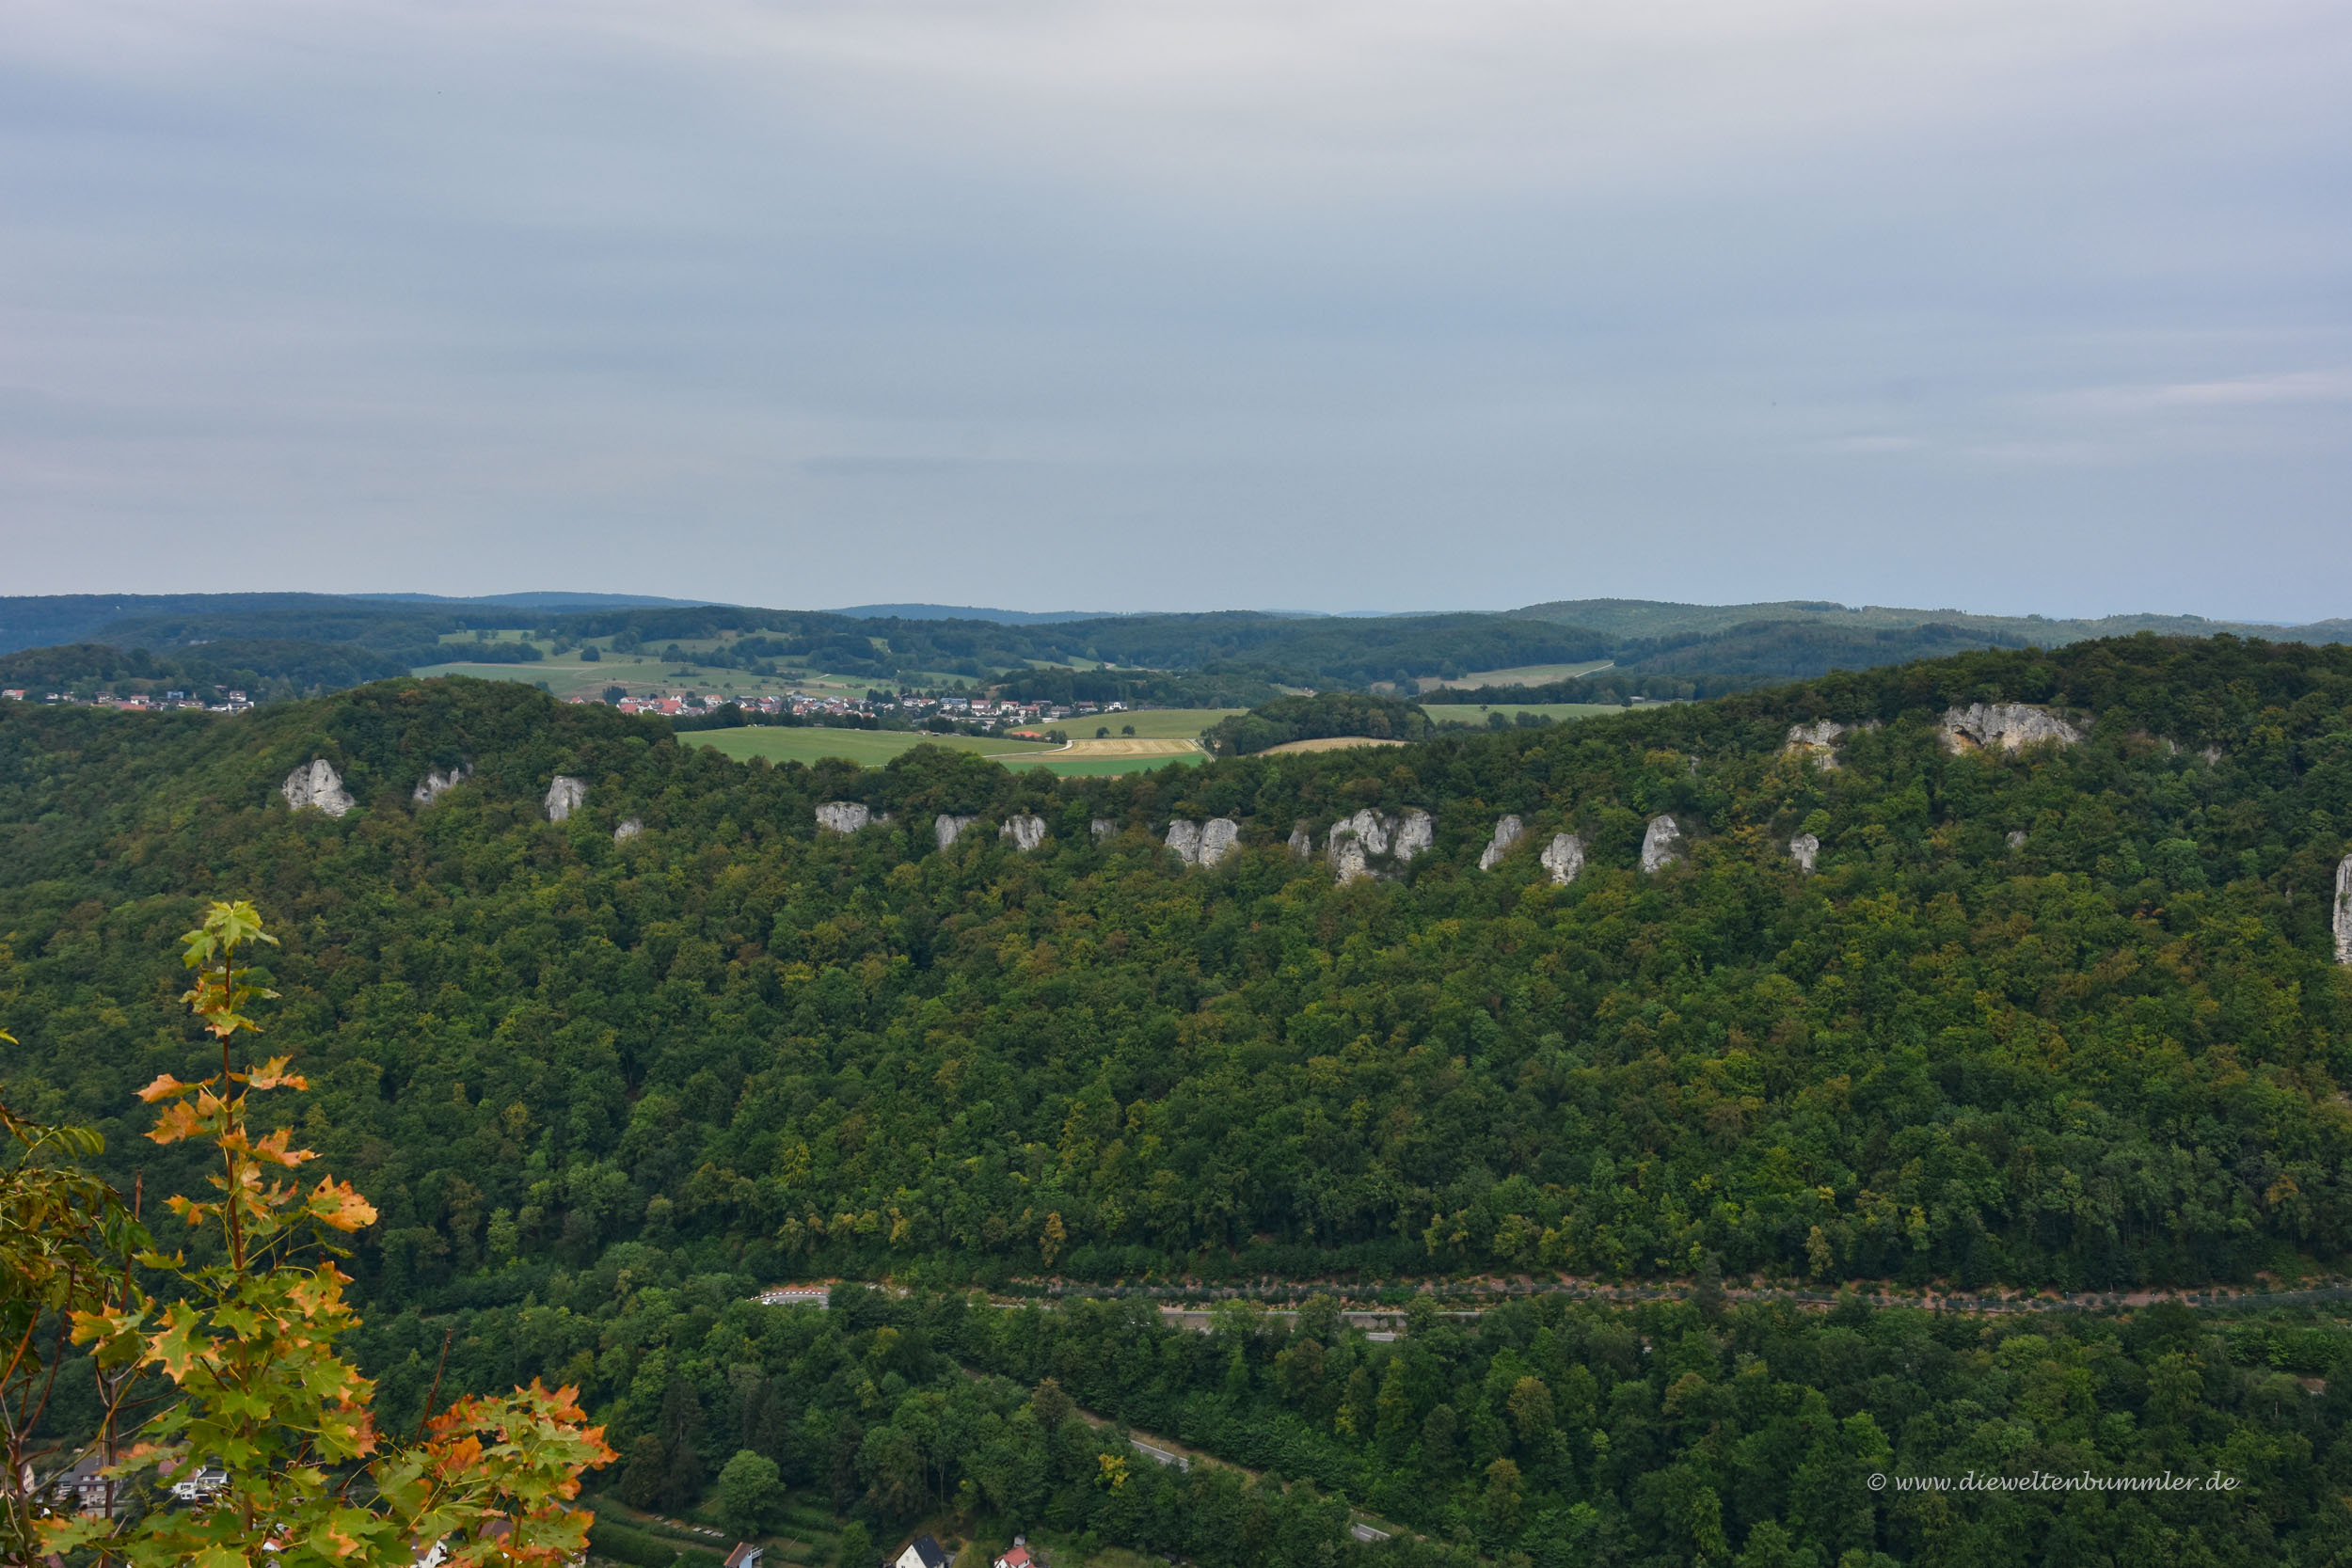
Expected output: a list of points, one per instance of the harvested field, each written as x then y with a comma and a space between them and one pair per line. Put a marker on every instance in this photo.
1331, 743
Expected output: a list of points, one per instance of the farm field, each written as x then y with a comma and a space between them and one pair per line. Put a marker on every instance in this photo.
1331, 743
1151, 723
1524, 674
806, 743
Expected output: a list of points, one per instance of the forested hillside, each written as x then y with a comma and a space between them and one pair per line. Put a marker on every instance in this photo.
2066, 1015
2111, 1053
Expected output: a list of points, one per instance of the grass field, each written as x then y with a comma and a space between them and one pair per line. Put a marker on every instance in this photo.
1330, 743
1523, 674
1151, 723
808, 742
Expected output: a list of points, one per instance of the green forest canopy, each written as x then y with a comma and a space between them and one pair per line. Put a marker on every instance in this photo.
600, 1089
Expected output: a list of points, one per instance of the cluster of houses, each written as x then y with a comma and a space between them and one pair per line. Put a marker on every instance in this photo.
976, 710
138, 702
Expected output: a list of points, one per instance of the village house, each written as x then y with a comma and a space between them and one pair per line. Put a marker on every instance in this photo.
923, 1552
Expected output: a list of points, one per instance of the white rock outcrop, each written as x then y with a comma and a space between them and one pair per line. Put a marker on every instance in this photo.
1103, 828
2344, 911
1816, 740
1982, 726
1204, 842
1563, 857
566, 795
1348, 862
843, 816
1508, 831
1805, 849
1367, 830
437, 784
317, 784
1358, 838
1661, 844
1302, 842
1023, 832
2017, 838
945, 829
628, 830
1412, 835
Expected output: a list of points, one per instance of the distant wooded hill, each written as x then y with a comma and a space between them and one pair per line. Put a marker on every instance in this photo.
1232, 658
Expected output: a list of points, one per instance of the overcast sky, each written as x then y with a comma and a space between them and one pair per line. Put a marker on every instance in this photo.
2009, 305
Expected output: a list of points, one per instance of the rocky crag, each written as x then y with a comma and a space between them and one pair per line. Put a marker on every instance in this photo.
1805, 849
1024, 832
437, 784
1984, 726
947, 829
566, 795
1661, 844
1356, 841
846, 817
1508, 831
628, 830
316, 784
1563, 857
2344, 911
1204, 844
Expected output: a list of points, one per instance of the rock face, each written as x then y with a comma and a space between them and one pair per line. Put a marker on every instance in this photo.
316, 784
1661, 844
2007, 725
1104, 828
566, 795
1805, 849
2344, 911
1024, 832
1355, 840
947, 829
2017, 838
1509, 830
843, 816
1816, 740
437, 784
628, 830
1563, 857
1367, 829
1302, 842
1204, 842
1348, 861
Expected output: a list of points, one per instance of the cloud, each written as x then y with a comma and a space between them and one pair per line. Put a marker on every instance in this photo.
1518, 299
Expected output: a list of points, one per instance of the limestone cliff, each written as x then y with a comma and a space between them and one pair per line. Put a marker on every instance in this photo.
1563, 857
1302, 842
1219, 837
1818, 741
628, 830
1103, 828
2017, 838
947, 829
1367, 830
2344, 911
1184, 838
1508, 831
1412, 835
1661, 844
2006, 725
1805, 849
1024, 832
843, 816
566, 795
1348, 862
437, 784
317, 784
